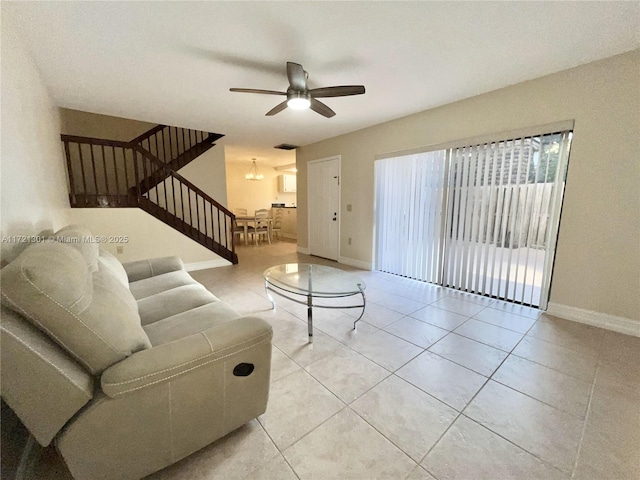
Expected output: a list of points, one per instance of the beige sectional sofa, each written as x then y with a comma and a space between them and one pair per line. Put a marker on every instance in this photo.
127, 368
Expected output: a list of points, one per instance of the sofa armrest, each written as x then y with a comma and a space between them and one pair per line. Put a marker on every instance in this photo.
173, 359
142, 269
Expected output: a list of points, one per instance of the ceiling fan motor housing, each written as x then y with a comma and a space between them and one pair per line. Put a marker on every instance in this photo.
297, 99
300, 97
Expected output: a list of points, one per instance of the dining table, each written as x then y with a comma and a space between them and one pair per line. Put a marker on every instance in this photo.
245, 220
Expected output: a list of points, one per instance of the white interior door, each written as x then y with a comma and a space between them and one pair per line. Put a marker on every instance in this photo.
323, 187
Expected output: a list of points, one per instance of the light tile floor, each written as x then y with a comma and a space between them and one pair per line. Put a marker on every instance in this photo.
433, 384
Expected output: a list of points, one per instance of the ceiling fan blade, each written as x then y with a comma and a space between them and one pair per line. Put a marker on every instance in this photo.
341, 91
297, 76
277, 109
253, 90
319, 107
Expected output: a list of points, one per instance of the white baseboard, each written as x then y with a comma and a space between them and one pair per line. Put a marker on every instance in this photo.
191, 267
597, 319
352, 262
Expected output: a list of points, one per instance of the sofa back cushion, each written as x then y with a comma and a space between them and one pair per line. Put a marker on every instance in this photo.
89, 313
108, 262
81, 239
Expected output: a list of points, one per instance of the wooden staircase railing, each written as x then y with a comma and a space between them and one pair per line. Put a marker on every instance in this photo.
107, 173
182, 205
175, 146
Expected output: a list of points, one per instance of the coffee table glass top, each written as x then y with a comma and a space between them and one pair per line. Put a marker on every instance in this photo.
318, 280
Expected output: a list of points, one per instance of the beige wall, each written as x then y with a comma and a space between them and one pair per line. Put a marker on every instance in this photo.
85, 124
597, 265
208, 173
148, 237
243, 193
33, 179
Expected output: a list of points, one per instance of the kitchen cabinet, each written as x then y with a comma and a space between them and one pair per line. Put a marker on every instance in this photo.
287, 183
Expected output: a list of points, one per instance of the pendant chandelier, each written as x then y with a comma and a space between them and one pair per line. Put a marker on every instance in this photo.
253, 172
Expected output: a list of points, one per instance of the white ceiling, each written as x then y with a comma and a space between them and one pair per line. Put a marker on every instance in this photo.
174, 62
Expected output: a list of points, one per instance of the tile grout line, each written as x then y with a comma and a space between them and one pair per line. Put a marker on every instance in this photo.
511, 352
483, 343
394, 372
489, 378
409, 341
372, 360
516, 445
417, 464
541, 401
508, 354
362, 394
547, 366
450, 293
469, 403
348, 405
500, 326
457, 333
498, 434
279, 452
586, 417
344, 407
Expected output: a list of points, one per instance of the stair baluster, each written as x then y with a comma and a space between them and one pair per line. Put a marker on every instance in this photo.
143, 173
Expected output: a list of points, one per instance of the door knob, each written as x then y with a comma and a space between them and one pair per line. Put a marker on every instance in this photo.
334, 219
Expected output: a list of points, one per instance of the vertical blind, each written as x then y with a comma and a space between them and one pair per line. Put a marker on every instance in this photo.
409, 206
481, 218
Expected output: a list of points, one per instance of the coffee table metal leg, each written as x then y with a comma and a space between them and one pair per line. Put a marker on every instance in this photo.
364, 306
266, 290
310, 317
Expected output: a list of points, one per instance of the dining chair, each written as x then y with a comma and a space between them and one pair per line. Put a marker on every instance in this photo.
261, 225
240, 212
276, 227
238, 230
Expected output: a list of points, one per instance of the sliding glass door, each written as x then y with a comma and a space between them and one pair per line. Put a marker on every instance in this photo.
482, 218
410, 206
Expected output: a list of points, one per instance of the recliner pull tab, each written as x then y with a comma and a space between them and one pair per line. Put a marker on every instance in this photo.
243, 369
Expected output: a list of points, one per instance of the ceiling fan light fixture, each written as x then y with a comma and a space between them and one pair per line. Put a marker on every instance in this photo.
299, 97
298, 101
253, 172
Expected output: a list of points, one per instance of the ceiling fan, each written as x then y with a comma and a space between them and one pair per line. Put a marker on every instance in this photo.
300, 97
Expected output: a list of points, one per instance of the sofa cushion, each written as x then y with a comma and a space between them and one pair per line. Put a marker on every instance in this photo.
187, 323
108, 261
81, 239
174, 301
160, 283
90, 314
141, 269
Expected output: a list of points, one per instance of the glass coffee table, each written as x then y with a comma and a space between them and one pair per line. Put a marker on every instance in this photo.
304, 282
